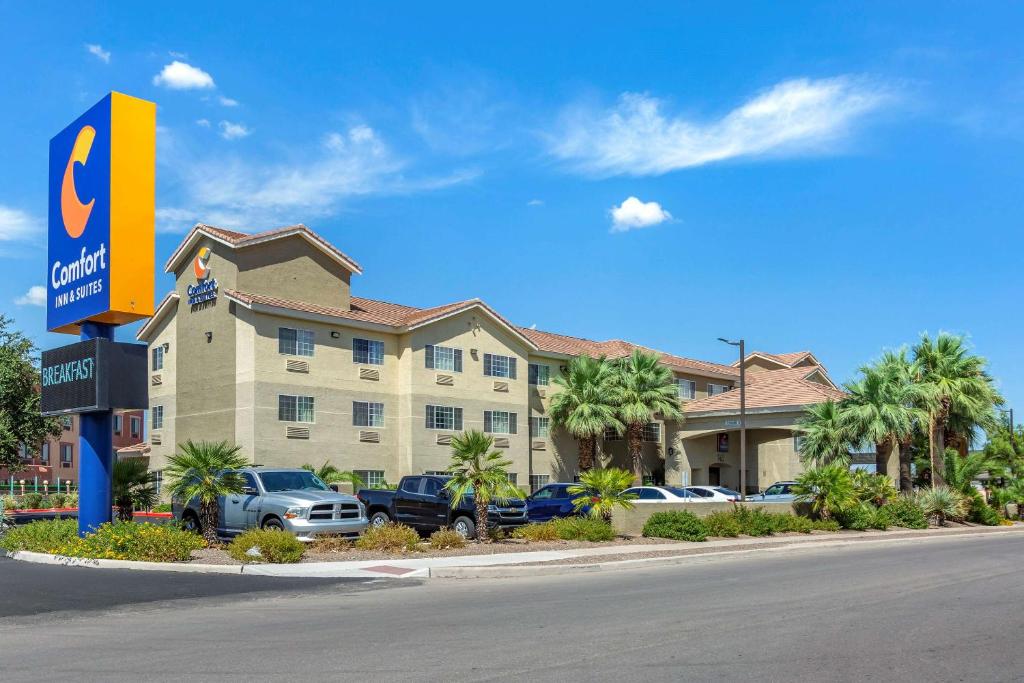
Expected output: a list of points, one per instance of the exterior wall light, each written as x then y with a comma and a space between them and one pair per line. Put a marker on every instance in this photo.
209, 337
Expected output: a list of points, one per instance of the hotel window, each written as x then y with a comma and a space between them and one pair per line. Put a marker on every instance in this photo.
539, 374
137, 425
158, 417
44, 454
367, 414
499, 366
538, 481
66, 421
372, 478
67, 455
499, 422
295, 408
444, 417
539, 426
368, 352
611, 435
652, 432
294, 342
687, 388
118, 424
23, 452
513, 478
443, 358
715, 389
158, 481
158, 357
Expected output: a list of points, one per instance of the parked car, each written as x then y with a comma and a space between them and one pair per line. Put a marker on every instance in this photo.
779, 492
714, 494
552, 501
423, 503
664, 494
292, 500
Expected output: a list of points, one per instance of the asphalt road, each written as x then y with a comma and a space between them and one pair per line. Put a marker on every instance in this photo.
940, 610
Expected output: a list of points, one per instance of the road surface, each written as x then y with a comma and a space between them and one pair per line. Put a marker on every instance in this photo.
940, 610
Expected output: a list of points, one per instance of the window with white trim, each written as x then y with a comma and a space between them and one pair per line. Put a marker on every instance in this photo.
444, 417
716, 389
136, 427
687, 389
158, 481
67, 454
513, 478
611, 435
295, 408
652, 432
368, 351
798, 442
367, 414
538, 481
499, 366
372, 478
158, 357
157, 413
539, 374
539, 426
445, 358
294, 342
118, 424
44, 454
499, 422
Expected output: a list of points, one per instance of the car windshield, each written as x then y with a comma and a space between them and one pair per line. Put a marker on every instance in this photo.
682, 493
728, 492
773, 490
292, 481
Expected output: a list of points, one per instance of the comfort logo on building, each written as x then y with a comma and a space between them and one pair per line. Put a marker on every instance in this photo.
74, 213
201, 264
205, 289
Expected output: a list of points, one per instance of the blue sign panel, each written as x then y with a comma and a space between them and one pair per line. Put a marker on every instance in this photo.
78, 270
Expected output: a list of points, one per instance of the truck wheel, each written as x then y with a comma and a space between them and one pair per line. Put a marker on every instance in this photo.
379, 519
273, 524
190, 522
464, 527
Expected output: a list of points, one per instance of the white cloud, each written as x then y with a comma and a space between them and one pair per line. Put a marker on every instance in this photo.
637, 137
181, 76
535, 202
634, 213
227, 101
16, 225
98, 52
35, 296
233, 131
205, 123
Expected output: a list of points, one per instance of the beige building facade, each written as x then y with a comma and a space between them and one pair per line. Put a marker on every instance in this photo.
263, 344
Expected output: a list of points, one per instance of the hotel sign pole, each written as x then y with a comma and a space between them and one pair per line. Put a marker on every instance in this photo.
95, 453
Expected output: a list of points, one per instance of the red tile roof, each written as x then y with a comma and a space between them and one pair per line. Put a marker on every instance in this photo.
786, 388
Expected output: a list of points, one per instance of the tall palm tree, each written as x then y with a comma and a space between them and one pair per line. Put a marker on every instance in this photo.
583, 406
133, 487
914, 399
827, 437
329, 474
204, 470
481, 472
641, 388
957, 384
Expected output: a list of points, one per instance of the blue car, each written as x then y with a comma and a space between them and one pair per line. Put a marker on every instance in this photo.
551, 502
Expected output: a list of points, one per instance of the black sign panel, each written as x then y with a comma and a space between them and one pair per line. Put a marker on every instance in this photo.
93, 375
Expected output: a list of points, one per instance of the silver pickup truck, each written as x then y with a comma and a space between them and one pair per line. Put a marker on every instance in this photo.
293, 500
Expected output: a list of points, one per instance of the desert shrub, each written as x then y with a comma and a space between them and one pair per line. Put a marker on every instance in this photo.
32, 501
880, 519
755, 521
72, 500
274, 546
58, 500
981, 513
679, 525
443, 539
593, 529
41, 537
9, 503
876, 489
723, 524
112, 541
863, 517
331, 544
544, 531
906, 513
825, 525
391, 537
941, 503
794, 524
162, 507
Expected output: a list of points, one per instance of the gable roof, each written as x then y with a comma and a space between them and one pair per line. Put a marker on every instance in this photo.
789, 388
162, 309
238, 240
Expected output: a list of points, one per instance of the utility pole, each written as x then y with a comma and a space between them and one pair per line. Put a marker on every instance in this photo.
743, 415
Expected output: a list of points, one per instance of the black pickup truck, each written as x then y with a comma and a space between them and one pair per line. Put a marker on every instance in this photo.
423, 503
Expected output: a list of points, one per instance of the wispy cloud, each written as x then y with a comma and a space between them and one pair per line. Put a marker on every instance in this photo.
99, 53
637, 136
633, 213
16, 225
181, 76
233, 131
227, 101
35, 296
204, 123
535, 202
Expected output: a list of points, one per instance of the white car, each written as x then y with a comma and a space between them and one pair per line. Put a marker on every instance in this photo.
664, 494
714, 494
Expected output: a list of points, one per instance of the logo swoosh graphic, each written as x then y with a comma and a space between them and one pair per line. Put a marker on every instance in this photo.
75, 213
201, 264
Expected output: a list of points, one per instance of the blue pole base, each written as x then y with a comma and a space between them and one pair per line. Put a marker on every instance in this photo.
95, 454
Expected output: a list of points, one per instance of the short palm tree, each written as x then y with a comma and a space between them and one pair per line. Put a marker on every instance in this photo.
827, 438
329, 474
601, 491
877, 411
481, 472
582, 406
961, 471
876, 489
829, 489
641, 389
203, 470
133, 487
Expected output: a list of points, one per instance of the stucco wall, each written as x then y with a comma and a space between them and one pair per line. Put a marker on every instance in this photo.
291, 268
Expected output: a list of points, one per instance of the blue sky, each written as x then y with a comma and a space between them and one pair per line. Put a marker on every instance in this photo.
807, 176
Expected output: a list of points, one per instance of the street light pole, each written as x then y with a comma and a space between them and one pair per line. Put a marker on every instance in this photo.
743, 415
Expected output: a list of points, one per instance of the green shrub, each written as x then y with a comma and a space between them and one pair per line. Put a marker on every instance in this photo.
723, 524
9, 503
112, 541
904, 512
544, 531
679, 525
755, 521
391, 537
942, 503
443, 539
275, 546
880, 519
331, 544
793, 524
981, 513
593, 529
32, 501
72, 500
857, 517
41, 537
825, 525
162, 507
58, 500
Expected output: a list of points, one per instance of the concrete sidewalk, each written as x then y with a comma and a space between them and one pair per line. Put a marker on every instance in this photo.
531, 563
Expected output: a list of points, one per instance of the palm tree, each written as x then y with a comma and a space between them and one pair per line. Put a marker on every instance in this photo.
132, 487
957, 384
582, 405
914, 399
827, 438
601, 491
829, 489
203, 470
641, 388
329, 474
480, 472
961, 471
